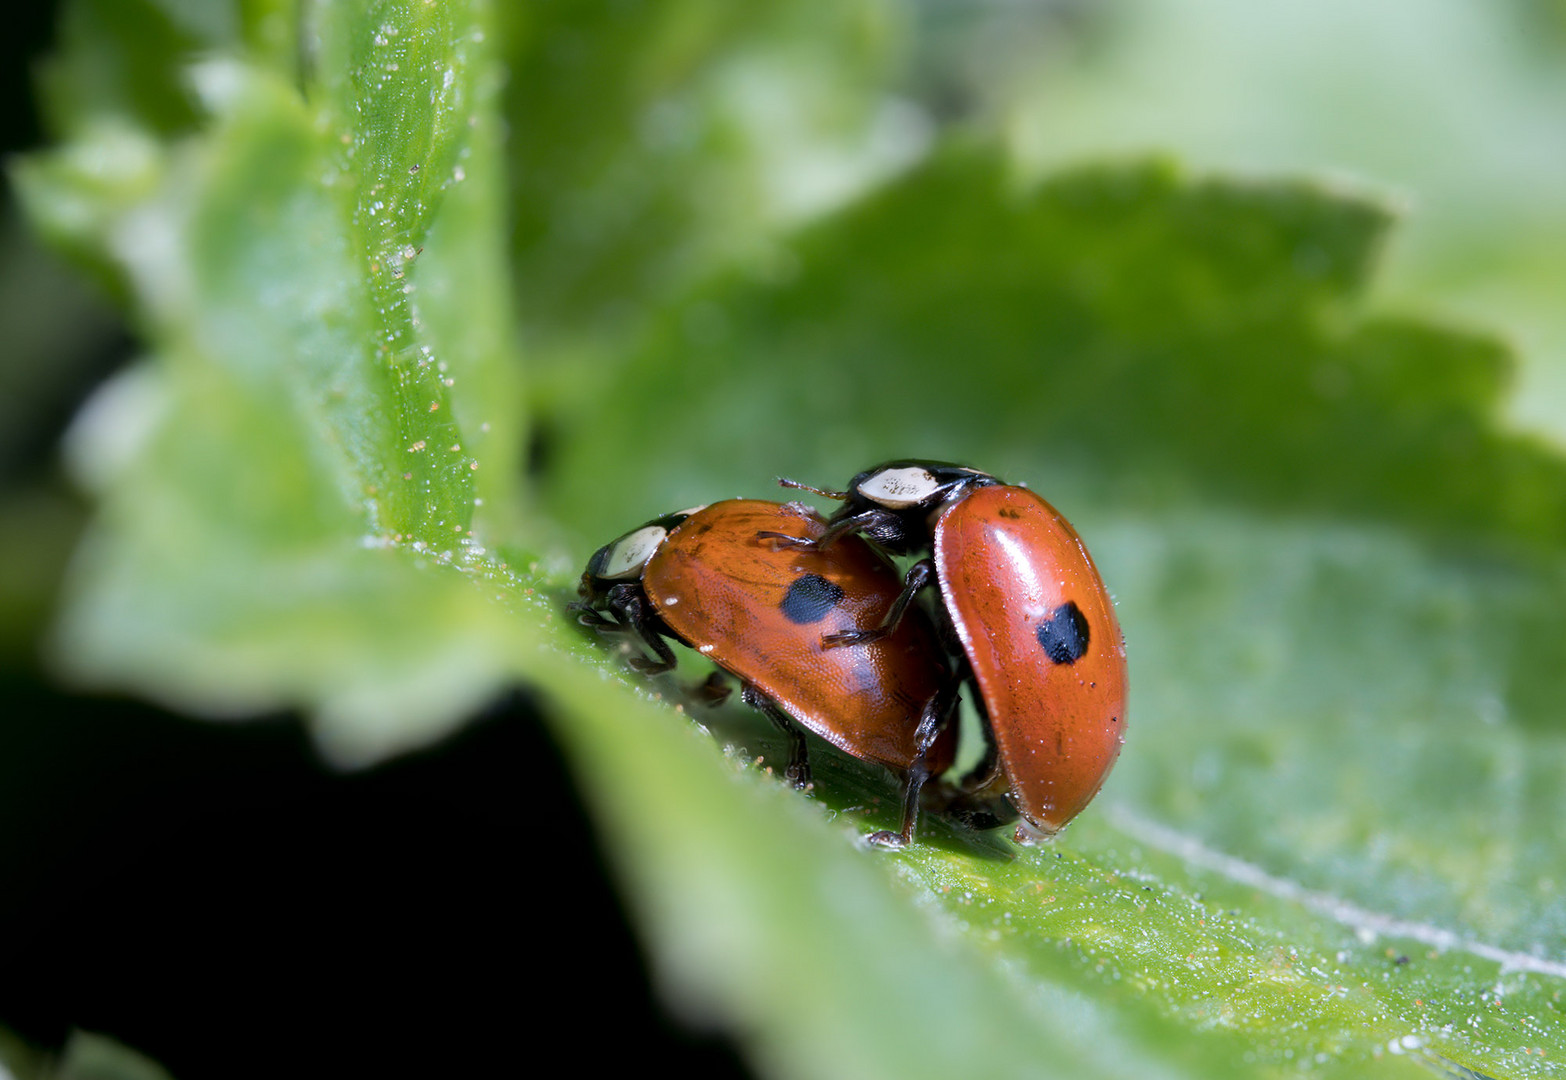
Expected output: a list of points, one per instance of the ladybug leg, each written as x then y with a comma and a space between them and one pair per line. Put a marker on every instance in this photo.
878, 524
799, 510
979, 799
619, 624
987, 771
920, 576
712, 691
798, 771
589, 616
665, 661
629, 605
785, 540
933, 719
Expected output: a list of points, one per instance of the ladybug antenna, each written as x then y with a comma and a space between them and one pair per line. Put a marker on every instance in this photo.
784, 481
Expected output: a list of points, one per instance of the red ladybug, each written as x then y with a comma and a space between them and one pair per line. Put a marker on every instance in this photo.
760, 609
1036, 624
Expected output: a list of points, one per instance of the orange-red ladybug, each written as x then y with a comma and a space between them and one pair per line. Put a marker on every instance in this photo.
741, 583
1036, 624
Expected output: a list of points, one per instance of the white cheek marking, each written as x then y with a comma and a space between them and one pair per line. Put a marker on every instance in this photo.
632, 551
687, 512
898, 489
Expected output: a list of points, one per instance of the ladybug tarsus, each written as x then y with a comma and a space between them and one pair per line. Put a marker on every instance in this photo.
888, 840
588, 617
934, 719
648, 666
712, 691
784, 540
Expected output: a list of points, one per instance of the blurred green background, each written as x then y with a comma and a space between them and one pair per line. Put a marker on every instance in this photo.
338, 338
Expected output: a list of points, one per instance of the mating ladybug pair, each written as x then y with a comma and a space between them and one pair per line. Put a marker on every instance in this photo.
822, 633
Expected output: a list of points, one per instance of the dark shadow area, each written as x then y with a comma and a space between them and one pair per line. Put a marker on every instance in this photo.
29, 29
213, 896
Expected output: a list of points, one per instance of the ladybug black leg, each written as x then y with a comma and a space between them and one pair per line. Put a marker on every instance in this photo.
629, 605
588, 616
987, 771
798, 771
712, 691
878, 524
920, 576
978, 800
785, 540
595, 613
933, 719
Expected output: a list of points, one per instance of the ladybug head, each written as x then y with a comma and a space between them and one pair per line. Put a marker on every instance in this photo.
913, 485
625, 558
895, 503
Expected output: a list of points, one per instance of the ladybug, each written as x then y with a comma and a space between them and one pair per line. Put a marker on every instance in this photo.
741, 583
1037, 628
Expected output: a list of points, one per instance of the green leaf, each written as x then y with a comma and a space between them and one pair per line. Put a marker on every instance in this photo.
1449, 108
652, 140
1331, 838
97, 1057
297, 485
85, 1056
1330, 845
1126, 323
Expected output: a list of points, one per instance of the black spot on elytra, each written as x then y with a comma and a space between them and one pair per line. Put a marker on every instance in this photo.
1009, 513
1064, 635
809, 599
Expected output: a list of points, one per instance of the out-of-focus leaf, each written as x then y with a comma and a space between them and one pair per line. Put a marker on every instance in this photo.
86, 1056
653, 141
1449, 106
96, 1057
126, 58
295, 487
1123, 322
